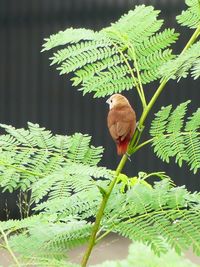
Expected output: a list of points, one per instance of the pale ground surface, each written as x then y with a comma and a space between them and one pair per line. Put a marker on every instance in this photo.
111, 248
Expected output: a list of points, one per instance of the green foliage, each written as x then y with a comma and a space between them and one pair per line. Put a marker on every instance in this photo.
171, 139
64, 168
107, 61
179, 67
36, 159
60, 175
44, 238
141, 255
158, 215
40, 261
191, 16
196, 69
82, 205
50, 239
155, 216
129, 182
189, 59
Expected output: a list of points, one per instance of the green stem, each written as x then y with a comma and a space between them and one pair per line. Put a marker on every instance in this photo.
139, 88
133, 77
132, 50
101, 211
142, 144
7, 246
152, 102
163, 135
163, 83
192, 39
20, 169
136, 218
124, 158
103, 235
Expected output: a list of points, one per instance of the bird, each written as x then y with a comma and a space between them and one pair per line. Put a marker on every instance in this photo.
121, 121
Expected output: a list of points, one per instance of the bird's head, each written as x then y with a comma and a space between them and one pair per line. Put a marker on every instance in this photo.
117, 101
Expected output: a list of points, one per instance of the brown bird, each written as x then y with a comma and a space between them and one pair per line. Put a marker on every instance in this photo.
121, 121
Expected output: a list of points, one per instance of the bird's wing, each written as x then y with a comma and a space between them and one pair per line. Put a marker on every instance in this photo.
113, 132
122, 128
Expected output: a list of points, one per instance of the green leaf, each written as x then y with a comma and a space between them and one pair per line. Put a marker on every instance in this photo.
196, 69
191, 16
171, 140
180, 66
35, 158
155, 216
105, 62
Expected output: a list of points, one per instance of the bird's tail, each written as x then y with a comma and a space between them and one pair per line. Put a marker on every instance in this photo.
122, 147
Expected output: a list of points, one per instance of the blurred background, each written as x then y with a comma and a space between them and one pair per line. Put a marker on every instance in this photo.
30, 90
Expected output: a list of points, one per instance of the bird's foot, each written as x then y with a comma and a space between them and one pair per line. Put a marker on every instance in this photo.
128, 156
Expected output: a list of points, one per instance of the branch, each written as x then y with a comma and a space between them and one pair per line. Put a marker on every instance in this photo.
20, 169
132, 50
134, 141
101, 211
136, 217
195, 35
164, 82
7, 246
138, 87
142, 144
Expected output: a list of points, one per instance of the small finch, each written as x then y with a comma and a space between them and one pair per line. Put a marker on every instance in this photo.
121, 121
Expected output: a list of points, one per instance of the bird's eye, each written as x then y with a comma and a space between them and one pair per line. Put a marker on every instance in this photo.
111, 101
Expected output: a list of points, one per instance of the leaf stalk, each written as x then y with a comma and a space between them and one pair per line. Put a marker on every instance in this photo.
7, 246
132, 146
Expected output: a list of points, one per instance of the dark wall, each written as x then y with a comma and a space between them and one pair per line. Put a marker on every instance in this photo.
30, 90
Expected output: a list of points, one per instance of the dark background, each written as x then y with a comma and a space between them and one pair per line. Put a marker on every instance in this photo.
30, 90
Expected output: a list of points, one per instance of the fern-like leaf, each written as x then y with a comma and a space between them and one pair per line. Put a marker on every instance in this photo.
83, 204
155, 216
192, 141
49, 239
35, 158
191, 16
180, 66
196, 69
104, 62
171, 140
67, 37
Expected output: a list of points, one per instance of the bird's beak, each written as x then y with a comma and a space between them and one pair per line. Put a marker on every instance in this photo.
108, 101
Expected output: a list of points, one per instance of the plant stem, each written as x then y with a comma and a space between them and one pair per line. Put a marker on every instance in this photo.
163, 83
101, 211
133, 77
152, 102
142, 144
7, 246
103, 235
165, 135
192, 39
20, 169
132, 50
139, 87
134, 219
134, 140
